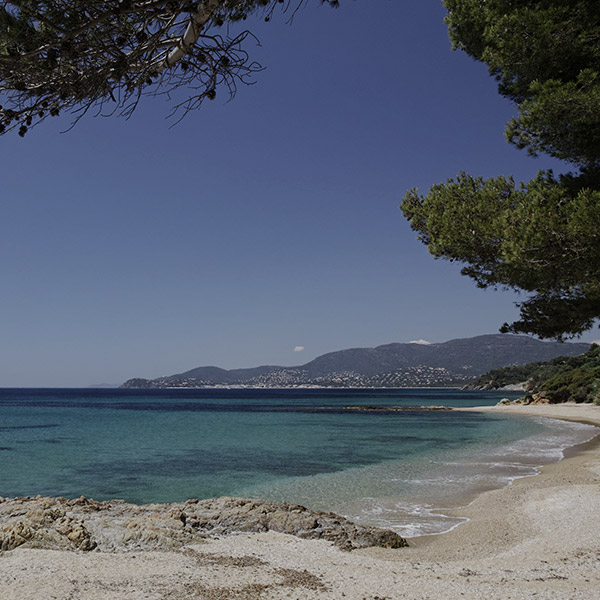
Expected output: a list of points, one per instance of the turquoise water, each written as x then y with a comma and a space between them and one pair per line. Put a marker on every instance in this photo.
393, 469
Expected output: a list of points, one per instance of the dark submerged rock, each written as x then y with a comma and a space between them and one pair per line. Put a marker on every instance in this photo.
372, 408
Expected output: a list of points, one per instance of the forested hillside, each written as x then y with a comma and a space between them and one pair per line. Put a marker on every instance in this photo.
562, 379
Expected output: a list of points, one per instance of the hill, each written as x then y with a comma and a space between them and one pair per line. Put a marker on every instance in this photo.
451, 363
562, 379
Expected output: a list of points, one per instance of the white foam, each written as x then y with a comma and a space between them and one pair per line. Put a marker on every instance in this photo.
413, 495
451, 480
406, 519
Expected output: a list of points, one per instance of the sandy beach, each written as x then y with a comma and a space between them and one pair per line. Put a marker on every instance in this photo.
538, 538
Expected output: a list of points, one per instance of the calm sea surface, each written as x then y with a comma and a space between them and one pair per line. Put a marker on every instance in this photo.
392, 469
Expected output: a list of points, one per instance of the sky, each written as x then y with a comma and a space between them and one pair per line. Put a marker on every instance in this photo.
264, 230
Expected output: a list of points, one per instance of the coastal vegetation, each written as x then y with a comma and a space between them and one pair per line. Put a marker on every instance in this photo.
541, 236
562, 379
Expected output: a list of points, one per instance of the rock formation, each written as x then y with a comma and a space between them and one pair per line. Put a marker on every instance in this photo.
84, 524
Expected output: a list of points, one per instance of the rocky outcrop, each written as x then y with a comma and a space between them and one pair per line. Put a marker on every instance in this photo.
84, 524
538, 398
506, 402
42, 523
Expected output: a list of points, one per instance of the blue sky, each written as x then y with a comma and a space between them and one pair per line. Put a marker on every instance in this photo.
256, 226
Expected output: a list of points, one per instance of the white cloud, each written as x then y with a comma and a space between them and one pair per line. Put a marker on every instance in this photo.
421, 342
298, 348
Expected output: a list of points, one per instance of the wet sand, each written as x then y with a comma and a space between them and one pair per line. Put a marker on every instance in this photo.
538, 538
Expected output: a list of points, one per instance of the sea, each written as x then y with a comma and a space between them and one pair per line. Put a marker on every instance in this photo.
401, 470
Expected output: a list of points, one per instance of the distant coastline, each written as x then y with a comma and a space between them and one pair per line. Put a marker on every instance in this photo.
245, 387
450, 364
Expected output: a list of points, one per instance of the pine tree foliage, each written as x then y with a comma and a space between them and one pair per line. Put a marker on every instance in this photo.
541, 237
74, 55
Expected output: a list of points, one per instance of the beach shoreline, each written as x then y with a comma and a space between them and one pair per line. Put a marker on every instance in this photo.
538, 537
573, 412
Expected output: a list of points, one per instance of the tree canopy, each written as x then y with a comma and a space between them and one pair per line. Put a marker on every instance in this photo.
541, 237
74, 55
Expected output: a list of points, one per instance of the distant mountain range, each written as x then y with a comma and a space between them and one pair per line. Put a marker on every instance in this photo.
451, 363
